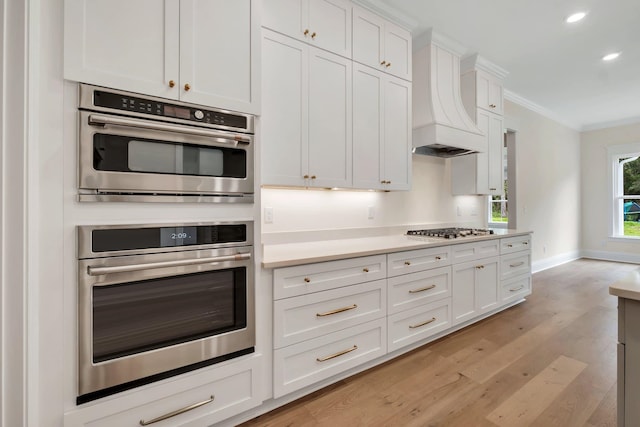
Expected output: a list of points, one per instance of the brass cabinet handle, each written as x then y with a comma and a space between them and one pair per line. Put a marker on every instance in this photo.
525, 243
306, 177
493, 189
407, 263
306, 279
479, 266
383, 182
187, 87
313, 35
338, 354
172, 83
366, 270
177, 412
306, 32
427, 288
517, 264
337, 310
438, 258
516, 289
383, 63
492, 105
509, 246
388, 182
388, 64
313, 177
433, 319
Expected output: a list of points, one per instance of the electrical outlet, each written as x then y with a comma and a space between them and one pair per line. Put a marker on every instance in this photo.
371, 212
268, 215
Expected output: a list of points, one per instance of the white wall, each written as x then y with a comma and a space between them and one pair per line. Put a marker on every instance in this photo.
429, 202
547, 184
595, 194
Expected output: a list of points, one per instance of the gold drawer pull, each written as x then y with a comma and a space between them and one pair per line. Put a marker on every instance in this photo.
509, 246
313, 35
438, 258
525, 243
516, 289
187, 87
366, 270
383, 63
433, 319
172, 83
177, 412
306, 279
479, 267
306, 32
388, 64
517, 264
415, 291
492, 105
337, 310
338, 354
407, 263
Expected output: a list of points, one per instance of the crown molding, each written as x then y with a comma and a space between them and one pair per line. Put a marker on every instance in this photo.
611, 124
477, 62
513, 97
433, 37
390, 13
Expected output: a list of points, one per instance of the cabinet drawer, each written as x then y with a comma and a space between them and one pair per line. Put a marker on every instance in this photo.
476, 250
304, 279
310, 316
418, 260
302, 364
234, 389
415, 289
515, 264
418, 323
515, 289
515, 244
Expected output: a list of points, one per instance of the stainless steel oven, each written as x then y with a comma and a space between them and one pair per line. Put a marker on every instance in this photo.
139, 148
159, 300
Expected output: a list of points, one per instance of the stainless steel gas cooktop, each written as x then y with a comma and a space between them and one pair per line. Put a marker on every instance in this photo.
450, 233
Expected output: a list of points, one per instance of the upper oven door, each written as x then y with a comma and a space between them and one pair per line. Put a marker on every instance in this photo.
129, 155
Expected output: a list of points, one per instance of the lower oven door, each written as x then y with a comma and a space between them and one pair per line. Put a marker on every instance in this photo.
141, 316
137, 156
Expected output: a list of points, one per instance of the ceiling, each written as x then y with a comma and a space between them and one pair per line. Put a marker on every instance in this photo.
554, 68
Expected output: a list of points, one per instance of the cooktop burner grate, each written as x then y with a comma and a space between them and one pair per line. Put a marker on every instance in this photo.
450, 233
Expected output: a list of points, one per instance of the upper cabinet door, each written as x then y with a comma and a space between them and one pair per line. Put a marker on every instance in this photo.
330, 120
128, 45
322, 23
330, 25
397, 134
489, 92
397, 51
219, 45
381, 44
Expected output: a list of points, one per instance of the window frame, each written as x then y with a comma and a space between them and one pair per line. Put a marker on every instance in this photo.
616, 188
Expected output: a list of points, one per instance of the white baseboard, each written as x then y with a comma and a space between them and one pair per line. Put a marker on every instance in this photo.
612, 256
555, 261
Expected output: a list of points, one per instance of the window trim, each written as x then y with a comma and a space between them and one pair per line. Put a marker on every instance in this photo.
616, 193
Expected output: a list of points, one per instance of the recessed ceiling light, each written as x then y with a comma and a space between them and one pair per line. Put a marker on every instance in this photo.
576, 17
611, 56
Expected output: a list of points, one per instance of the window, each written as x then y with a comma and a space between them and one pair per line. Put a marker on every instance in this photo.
498, 205
625, 173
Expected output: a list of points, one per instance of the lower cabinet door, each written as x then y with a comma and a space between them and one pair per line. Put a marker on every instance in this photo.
308, 362
418, 323
223, 392
515, 289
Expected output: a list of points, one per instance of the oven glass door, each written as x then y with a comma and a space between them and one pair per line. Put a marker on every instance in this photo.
134, 317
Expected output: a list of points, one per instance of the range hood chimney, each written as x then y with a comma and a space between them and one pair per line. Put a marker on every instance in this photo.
441, 125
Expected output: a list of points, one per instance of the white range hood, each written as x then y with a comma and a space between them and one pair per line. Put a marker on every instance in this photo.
441, 126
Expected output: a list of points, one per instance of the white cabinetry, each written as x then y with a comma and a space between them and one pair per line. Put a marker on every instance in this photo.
200, 51
515, 268
475, 282
222, 392
328, 317
381, 130
306, 121
481, 92
381, 44
322, 23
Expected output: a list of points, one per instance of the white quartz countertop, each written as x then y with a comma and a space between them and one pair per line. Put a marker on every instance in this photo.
627, 287
290, 254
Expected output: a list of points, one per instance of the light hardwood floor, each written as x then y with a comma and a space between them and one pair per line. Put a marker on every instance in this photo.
550, 361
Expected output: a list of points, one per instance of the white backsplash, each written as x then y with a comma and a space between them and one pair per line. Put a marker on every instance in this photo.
428, 203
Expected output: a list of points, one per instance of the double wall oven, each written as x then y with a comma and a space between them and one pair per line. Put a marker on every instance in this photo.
140, 148
159, 300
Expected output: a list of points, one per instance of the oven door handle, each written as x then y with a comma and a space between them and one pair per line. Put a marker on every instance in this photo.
102, 120
98, 271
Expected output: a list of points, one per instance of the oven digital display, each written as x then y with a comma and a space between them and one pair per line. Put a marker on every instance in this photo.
177, 112
178, 236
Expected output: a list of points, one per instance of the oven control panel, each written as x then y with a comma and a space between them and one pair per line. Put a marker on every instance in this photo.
125, 102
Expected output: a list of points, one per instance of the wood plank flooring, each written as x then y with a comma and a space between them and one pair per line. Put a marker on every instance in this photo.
550, 361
